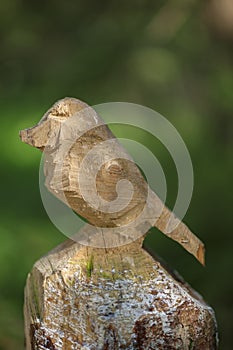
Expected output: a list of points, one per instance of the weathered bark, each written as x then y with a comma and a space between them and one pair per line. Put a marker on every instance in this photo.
69, 133
86, 298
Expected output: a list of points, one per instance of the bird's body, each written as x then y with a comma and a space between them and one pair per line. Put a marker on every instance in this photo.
79, 149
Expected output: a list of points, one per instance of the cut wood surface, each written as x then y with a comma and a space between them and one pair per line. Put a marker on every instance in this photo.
69, 133
86, 298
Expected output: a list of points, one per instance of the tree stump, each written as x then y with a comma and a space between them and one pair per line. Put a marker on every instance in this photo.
78, 297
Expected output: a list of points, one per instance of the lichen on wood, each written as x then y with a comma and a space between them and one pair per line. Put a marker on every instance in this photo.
128, 301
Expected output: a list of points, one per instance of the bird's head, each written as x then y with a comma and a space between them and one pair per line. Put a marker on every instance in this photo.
44, 134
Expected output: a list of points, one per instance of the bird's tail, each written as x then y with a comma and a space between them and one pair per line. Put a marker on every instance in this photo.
174, 228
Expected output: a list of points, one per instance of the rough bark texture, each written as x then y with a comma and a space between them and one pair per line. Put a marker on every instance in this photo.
87, 298
69, 133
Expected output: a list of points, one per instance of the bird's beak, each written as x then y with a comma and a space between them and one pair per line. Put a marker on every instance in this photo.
36, 136
25, 136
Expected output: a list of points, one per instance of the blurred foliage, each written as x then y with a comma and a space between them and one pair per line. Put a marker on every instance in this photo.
166, 55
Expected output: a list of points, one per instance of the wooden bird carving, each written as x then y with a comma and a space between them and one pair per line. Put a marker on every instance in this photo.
77, 141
